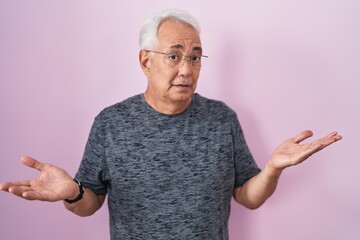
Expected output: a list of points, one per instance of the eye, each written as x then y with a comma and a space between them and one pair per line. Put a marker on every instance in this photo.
174, 57
195, 58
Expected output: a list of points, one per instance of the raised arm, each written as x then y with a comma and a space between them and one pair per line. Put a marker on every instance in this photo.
259, 188
53, 184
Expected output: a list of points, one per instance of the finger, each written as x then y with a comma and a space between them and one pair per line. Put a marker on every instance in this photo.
5, 186
28, 193
329, 139
302, 136
335, 136
33, 163
21, 183
19, 191
32, 195
323, 142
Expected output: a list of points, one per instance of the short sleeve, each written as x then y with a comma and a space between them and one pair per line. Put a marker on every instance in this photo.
92, 169
245, 165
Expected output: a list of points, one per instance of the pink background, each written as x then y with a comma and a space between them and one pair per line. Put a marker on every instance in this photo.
283, 66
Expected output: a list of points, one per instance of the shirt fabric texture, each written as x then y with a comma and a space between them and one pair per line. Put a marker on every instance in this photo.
167, 176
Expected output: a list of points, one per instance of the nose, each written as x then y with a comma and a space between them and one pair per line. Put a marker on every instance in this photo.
185, 68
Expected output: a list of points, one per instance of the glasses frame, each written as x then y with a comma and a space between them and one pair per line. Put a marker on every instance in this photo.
184, 57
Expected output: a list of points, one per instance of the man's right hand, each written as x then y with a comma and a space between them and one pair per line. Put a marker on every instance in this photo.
53, 183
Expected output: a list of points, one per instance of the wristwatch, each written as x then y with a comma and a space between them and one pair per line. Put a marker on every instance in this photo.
70, 201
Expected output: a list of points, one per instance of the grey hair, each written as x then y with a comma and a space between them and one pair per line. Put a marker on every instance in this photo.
148, 34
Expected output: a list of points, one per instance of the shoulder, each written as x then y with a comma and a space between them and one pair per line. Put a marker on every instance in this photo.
214, 107
120, 109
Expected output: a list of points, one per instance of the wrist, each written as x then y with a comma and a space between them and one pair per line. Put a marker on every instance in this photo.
272, 172
77, 194
73, 190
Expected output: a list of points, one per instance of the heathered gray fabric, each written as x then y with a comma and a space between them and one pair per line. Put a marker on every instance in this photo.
167, 177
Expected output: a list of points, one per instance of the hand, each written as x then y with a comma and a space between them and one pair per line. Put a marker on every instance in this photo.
53, 183
291, 152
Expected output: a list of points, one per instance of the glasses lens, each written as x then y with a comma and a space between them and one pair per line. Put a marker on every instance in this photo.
174, 58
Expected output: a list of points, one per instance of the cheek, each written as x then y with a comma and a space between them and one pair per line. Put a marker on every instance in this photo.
163, 72
194, 86
161, 79
196, 75
166, 76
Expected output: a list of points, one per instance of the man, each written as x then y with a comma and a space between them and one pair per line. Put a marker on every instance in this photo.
169, 160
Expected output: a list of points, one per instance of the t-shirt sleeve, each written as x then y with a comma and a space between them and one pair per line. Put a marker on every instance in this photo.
92, 169
245, 165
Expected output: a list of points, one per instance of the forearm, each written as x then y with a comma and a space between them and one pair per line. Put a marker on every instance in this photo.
88, 205
257, 189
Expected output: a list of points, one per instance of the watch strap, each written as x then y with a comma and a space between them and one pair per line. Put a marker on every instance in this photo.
81, 189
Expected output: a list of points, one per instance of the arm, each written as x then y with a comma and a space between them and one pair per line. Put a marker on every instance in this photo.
53, 184
259, 188
88, 205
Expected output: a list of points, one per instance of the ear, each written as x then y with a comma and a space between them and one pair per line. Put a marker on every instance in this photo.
145, 62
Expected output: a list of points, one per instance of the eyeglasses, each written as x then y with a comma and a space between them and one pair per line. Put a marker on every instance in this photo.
174, 58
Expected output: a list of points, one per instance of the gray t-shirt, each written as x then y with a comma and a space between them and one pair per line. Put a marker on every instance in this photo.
167, 176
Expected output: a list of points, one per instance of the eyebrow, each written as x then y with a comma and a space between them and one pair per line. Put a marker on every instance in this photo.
179, 46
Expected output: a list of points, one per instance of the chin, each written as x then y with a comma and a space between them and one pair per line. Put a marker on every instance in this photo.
182, 97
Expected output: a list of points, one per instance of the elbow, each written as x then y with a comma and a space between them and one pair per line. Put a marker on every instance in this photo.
82, 213
250, 200
253, 205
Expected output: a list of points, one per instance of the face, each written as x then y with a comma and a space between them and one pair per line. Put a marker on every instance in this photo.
167, 83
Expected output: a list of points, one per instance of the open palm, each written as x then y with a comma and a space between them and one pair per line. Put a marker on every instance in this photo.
53, 183
291, 152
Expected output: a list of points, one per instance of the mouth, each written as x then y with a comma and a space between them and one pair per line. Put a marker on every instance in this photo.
182, 86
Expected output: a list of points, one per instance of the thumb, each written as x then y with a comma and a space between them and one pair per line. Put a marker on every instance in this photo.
33, 163
302, 136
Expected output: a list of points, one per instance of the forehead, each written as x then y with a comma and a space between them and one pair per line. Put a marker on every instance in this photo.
182, 35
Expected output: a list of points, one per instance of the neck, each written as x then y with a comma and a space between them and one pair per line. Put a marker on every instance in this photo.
167, 107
